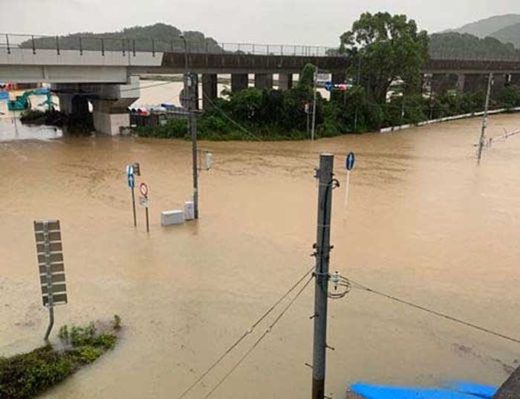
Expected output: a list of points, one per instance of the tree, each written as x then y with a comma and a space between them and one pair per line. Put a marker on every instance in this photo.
386, 49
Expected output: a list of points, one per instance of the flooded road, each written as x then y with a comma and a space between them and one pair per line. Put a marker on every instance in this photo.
424, 223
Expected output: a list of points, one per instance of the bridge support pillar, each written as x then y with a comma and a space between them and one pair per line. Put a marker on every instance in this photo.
285, 81
239, 81
339, 77
263, 80
73, 104
461, 81
440, 83
514, 79
110, 116
209, 90
474, 83
500, 82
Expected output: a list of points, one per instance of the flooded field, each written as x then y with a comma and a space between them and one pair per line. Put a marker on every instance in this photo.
424, 223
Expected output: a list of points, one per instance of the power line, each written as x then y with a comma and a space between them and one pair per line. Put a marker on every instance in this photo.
434, 312
229, 118
255, 345
246, 333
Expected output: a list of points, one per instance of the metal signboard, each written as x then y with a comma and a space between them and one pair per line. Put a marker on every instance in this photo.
143, 201
323, 77
50, 262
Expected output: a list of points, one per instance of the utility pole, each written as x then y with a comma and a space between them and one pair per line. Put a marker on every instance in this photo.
191, 90
194, 152
485, 119
326, 185
313, 128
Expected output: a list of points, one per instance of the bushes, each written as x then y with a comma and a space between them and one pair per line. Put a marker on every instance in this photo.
27, 375
174, 128
280, 115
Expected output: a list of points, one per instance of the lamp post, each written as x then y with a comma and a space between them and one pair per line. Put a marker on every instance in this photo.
190, 91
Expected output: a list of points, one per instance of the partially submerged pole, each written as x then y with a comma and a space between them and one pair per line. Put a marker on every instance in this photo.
323, 248
485, 119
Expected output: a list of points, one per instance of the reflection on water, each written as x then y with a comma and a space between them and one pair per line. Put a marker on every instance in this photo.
424, 223
13, 129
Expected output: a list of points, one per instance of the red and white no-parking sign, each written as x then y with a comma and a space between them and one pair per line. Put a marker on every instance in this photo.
143, 188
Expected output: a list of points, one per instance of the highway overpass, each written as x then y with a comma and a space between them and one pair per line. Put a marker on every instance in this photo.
109, 78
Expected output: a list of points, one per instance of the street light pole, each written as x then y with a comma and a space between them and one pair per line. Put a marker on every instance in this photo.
482, 139
315, 90
191, 91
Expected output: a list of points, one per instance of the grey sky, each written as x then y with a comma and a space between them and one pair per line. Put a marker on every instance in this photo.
263, 21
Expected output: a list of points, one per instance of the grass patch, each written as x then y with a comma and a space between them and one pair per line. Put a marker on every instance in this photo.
27, 375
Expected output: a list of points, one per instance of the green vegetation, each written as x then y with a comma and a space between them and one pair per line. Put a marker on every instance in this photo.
505, 28
509, 34
27, 375
75, 124
387, 53
488, 26
252, 114
385, 48
457, 45
165, 37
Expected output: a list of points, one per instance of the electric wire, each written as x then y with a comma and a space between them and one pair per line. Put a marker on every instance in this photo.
259, 340
242, 127
229, 118
244, 335
360, 286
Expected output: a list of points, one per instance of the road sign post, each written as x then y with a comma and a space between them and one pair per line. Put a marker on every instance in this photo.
350, 162
50, 265
130, 171
143, 201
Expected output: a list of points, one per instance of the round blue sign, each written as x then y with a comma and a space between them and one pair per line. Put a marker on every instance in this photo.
351, 161
131, 181
329, 86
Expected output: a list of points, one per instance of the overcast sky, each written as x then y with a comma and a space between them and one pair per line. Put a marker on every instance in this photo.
317, 22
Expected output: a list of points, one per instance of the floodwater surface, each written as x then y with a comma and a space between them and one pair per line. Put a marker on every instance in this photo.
424, 223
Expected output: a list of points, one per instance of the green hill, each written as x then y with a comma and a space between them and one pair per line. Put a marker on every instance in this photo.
165, 38
488, 26
466, 46
510, 34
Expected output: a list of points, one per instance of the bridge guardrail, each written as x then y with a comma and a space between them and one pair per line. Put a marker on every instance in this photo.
10, 42
84, 42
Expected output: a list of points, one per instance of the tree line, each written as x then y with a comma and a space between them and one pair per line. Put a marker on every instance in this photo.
386, 84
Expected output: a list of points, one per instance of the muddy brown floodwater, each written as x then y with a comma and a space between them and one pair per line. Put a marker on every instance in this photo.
424, 223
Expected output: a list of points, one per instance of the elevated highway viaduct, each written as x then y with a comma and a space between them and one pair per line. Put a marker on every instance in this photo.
110, 79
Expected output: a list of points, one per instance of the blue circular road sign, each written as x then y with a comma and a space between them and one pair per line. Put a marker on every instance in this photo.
131, 181
351, 161
329, 86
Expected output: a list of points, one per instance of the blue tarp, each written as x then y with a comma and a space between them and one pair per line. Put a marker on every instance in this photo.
455, 390
478, 390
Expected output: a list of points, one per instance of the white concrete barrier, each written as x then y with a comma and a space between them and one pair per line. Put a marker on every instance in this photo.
448, 119
174, 217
